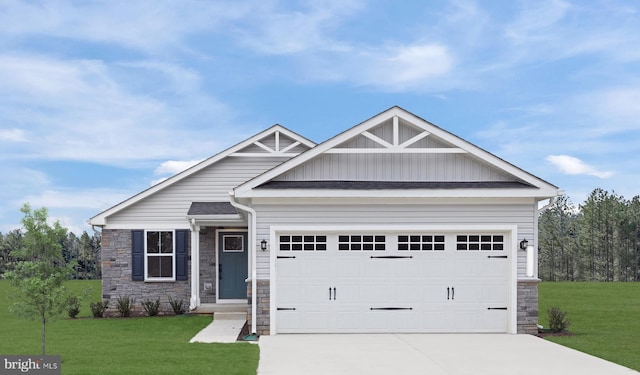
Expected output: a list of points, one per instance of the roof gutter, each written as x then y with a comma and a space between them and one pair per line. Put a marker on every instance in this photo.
252, 241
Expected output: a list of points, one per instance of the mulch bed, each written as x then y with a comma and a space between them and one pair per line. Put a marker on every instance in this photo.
243, 332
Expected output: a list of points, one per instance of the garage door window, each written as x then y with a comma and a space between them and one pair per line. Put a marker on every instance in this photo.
303, 243
474, 242
415, 242
359, 242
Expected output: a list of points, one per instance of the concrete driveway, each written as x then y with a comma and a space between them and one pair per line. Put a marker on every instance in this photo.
433, 354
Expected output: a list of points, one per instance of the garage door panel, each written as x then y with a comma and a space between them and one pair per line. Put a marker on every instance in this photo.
467, 268
289, 321
347, 267
378, 268
466, 294
290, 294
464, 317
346, 294
442, 291
377, 291
495, 294
495, 268
317, 320
409, 293
313, 267
494, 320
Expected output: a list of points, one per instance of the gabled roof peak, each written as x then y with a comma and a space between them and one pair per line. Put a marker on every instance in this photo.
397, 131
274, 149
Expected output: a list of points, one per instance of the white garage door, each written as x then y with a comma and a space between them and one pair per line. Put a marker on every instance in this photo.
391, 282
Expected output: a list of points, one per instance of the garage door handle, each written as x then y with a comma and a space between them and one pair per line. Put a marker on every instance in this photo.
448, 293
453, 292
334, 294
390, 308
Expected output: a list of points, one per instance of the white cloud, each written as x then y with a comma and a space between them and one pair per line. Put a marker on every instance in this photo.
151, 26
609, 110
574, 166
536, 21
409, 66
72, 207
174, 166
622, 103
13, 135
271, 29
423, 67
90, 111
94, 199
15, 178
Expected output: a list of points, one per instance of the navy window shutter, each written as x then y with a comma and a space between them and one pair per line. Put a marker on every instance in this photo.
182, 245
137, 255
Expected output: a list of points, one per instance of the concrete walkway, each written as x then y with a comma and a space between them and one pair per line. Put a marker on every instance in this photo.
433, 354
225, 327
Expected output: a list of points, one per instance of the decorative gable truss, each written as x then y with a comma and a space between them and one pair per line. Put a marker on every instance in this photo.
395, 136
278, 143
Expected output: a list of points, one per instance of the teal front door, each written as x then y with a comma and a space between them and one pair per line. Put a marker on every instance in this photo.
232, 265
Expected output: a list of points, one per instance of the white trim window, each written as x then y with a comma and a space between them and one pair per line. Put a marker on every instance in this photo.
160, 255
233, 243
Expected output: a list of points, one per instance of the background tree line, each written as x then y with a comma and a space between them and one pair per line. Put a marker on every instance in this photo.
83, 251
597, 241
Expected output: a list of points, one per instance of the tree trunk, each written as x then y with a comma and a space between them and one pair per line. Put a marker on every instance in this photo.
44, 323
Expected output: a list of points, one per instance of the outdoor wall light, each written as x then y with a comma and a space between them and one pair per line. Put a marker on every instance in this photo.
523, 244
263, 245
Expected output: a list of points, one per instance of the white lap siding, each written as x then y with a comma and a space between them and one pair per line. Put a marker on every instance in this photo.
171, 204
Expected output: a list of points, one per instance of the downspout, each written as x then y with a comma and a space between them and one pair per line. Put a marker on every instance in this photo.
194, 301
253, 240
532, 257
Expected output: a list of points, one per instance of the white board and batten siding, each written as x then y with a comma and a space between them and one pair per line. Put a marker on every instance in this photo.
170, 205
406, 167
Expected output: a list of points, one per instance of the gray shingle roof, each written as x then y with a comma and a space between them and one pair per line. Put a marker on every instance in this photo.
212, 208
401, 185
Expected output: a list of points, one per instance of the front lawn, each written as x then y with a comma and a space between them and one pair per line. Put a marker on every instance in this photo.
605, 318
158, 345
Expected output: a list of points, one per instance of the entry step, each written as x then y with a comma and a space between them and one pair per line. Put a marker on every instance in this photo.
229, 316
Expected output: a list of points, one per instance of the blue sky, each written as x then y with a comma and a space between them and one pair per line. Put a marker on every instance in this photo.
99, 99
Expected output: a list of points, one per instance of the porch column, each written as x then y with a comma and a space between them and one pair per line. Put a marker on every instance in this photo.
195, 266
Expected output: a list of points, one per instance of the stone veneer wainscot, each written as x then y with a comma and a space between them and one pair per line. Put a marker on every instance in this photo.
116, 276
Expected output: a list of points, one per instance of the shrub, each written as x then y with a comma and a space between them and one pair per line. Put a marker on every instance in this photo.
558, 320
179, 307
124, 305
98, 308
73, 306
151, 307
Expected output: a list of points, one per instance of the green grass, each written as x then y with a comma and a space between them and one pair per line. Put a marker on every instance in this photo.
605, 318
605, 322
158, 345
